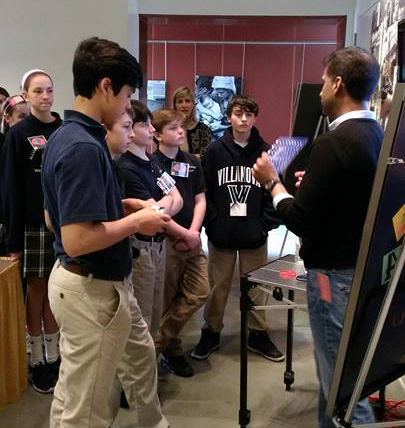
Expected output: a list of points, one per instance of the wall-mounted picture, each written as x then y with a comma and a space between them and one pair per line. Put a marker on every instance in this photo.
156, 96
384, 36
212, 94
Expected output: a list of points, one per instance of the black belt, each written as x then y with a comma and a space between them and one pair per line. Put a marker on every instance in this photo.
160, 237
83, 271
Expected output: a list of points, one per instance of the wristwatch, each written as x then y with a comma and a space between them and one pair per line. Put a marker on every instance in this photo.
270, 184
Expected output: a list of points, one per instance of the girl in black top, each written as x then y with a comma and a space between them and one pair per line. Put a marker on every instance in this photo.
28, 239
198, 134
14, 109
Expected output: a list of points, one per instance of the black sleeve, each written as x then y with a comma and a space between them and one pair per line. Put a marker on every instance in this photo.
12, 173
211, 182
270, 217
135, 186
199, 181
301, 214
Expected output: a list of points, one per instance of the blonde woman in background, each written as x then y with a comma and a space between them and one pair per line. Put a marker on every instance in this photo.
198, 135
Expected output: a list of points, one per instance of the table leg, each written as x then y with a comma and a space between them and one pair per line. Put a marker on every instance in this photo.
289, 374
244, 413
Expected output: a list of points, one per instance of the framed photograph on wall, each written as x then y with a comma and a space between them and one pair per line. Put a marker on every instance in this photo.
156, 94
212, 94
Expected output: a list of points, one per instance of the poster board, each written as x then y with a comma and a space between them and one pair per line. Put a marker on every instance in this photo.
383, 234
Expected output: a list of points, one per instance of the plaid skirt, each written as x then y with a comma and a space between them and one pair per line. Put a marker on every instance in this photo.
39, 255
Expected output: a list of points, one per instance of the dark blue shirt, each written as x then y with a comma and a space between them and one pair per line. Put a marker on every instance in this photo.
79, 185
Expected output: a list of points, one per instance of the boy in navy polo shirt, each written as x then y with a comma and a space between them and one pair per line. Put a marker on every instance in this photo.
186, 274
142, 177
100, 323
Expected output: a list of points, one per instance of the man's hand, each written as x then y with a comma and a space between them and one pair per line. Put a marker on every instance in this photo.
263, 170
151, 221
298, 175
16, 256
132, 205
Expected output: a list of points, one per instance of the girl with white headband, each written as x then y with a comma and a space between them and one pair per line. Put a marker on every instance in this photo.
14, 108
27, 238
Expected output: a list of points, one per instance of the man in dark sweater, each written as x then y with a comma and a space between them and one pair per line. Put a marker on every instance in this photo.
331, 203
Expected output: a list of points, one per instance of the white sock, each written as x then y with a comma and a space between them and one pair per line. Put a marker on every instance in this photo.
37, 354
52, 347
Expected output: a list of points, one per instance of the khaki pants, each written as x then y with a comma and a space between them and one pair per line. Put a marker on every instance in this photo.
186, 289
148, 281
221, 265
98, 323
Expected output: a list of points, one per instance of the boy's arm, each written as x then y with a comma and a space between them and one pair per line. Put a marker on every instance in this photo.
176, 202
200, 206
87, 237
190, 237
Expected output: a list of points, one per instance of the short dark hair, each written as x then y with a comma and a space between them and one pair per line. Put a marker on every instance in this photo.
4, 92
96, 59
245, 102
139, 112
358, 69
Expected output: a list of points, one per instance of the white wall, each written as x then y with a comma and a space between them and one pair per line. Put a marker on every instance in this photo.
255, 7
362, 23
44, 34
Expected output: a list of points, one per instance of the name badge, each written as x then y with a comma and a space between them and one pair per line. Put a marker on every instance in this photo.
37, 142
166, 183
238, 209
180, 169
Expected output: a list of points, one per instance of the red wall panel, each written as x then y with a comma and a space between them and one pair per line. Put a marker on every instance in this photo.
268, 78
313, 62
180, 68
208, 59
156, 61
233, 60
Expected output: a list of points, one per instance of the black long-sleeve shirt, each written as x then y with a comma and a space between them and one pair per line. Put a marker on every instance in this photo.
331, 203
20, 176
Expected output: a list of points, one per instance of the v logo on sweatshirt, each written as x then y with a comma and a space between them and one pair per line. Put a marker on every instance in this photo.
238, 193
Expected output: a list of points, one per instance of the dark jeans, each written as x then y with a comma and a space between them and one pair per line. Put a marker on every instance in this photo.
327, 294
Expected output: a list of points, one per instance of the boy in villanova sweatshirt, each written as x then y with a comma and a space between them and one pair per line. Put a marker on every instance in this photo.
239, 216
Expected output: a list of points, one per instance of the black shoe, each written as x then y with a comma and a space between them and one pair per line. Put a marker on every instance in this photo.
123, 401
260, 343
178, 365
53, 368
42, 379
209, 342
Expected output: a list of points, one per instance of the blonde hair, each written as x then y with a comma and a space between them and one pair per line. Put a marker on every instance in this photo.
185, 92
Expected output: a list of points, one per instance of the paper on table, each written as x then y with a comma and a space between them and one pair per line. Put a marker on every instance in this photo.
284, 150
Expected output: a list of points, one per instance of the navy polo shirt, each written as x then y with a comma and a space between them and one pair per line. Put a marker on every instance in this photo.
188, 187
140, 177
79, 185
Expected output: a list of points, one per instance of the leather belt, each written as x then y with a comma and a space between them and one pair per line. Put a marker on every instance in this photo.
160, 237
83, 271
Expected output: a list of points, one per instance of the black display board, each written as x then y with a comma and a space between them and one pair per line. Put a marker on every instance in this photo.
401, 51
307, 111
380, 246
